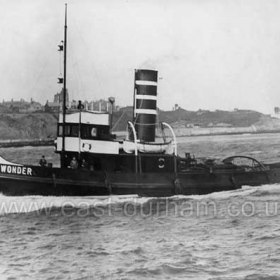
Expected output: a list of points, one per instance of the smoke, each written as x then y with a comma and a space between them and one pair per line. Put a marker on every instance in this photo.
158, 63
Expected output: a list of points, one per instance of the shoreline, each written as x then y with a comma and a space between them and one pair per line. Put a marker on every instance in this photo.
231, 133
26, 142
120, 135
123, 133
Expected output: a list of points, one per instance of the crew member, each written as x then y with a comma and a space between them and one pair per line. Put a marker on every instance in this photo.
84, 164
43, 161
74, 163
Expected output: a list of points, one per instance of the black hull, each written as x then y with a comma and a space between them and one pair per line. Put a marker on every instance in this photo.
68, 182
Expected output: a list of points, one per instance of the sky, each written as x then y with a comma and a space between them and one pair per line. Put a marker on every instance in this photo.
210, 54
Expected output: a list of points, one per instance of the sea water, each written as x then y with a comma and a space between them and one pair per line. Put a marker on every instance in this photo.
226, 235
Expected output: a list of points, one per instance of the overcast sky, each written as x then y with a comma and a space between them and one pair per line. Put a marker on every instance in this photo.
210, 54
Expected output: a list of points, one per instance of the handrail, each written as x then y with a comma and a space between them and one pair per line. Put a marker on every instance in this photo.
174, 137
135, 142
135, 137
228, 159
231, 158
174, 145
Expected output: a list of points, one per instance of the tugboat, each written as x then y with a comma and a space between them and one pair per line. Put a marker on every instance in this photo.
94, 163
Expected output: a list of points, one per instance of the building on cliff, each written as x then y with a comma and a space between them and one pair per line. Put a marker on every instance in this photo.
56, 104
22, 106
101, 105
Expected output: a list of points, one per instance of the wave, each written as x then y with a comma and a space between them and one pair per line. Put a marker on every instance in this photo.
26, 204
267, 190
272, 189
244, 191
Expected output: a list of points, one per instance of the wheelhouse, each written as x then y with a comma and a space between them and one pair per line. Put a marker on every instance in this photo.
86, 131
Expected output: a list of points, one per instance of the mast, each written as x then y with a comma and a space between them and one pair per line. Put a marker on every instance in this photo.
64, 90
134, 96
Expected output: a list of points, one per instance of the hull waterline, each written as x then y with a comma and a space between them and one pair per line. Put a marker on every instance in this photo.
68, 182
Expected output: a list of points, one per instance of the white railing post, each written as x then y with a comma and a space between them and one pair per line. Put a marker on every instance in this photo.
174, 138
135, 143
174, 145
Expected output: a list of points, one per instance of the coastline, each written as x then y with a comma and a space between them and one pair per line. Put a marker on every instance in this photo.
228, 133
122, 134
26, 142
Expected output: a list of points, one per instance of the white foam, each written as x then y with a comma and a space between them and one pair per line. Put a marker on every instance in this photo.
244, 191
3, 161
25, 204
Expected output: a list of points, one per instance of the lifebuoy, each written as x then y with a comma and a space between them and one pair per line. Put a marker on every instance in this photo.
161, 163
86, 147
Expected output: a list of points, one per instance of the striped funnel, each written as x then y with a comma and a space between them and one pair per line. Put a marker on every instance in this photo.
145, 104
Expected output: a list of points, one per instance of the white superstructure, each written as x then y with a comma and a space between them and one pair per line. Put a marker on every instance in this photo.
86, 131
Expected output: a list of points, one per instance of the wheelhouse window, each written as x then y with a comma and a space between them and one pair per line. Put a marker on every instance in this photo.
75, 130
70, 130
60, 130
94, 132
101, 132
67, 130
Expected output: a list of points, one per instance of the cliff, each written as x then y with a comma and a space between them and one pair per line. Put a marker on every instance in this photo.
207, 122
27, 126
